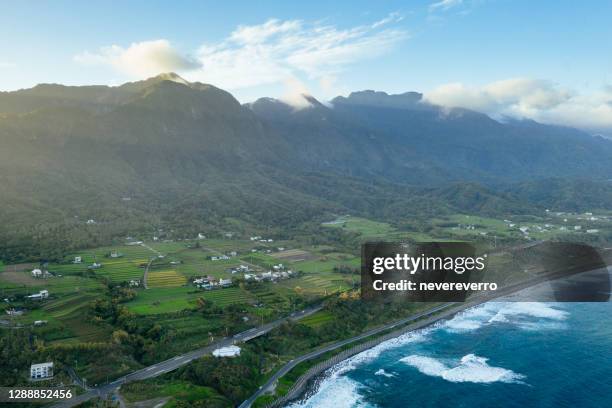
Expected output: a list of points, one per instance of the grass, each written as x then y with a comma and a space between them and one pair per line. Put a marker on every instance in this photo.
363, 226
174, 299
163, 300
318, 319
55, 285
176, 389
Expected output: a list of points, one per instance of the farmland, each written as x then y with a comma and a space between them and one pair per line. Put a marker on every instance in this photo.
176, 315
74, 285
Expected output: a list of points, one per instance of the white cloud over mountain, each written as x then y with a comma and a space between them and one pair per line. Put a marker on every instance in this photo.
280, 51
140, 59
297, 55
274, 52
540, 100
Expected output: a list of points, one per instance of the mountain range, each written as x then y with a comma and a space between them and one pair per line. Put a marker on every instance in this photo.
189, 156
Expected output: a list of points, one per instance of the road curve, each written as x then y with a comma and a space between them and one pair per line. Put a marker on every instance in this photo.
316, 353
181, 360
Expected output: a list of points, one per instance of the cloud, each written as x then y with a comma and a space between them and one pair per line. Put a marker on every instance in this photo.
274, 53
444, 5
536, 99
394, 17
281, 52
140, 59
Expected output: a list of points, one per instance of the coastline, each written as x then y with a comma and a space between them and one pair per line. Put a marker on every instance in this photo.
304, 388
308, 384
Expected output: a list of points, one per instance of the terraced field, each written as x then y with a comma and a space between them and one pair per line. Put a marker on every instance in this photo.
55, 285
227, 296
67, 304
174, 299
318, 284
269, 295
165, 279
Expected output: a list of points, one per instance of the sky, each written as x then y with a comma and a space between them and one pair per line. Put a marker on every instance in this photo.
545, 60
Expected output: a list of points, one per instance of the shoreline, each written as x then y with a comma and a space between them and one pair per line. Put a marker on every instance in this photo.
312, 384
308, 383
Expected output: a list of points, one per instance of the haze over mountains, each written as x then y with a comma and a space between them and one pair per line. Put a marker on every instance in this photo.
165, 151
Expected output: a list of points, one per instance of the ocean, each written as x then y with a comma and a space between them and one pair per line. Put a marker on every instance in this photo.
498, 354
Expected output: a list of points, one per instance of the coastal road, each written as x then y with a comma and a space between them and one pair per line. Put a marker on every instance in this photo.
316, 353
181, 360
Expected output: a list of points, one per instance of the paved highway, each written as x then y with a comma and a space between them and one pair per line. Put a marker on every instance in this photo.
313, 354
181, 360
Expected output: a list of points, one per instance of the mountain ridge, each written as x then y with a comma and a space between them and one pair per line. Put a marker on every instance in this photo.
190, 155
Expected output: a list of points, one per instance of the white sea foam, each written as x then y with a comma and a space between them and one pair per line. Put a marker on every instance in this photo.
534, 309
372, 353
384, 373
515, 313
472, 319
335, 383
342, 392
471, 368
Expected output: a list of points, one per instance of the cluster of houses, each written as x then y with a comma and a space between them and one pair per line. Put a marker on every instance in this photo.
39, 273
240, 269
260, 239
526, 230
271, 276
223, 257
210, 282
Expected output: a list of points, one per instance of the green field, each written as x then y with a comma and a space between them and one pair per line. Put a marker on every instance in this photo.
174, 299
163, 300
362, 226
175, 390
317, 319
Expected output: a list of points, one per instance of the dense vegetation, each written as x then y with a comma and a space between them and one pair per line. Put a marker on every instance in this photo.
161, 154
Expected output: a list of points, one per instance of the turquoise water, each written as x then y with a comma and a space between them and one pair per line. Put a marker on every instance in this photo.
494, 355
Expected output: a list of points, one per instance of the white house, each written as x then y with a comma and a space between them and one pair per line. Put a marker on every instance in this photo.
43, 294
225, 282
577, 227
230, 351
77, 260
592, 231
36, 273
42, 370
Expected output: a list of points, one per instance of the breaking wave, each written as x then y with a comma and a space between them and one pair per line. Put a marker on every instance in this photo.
384, 373
342, 392
547, 314
471, 368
